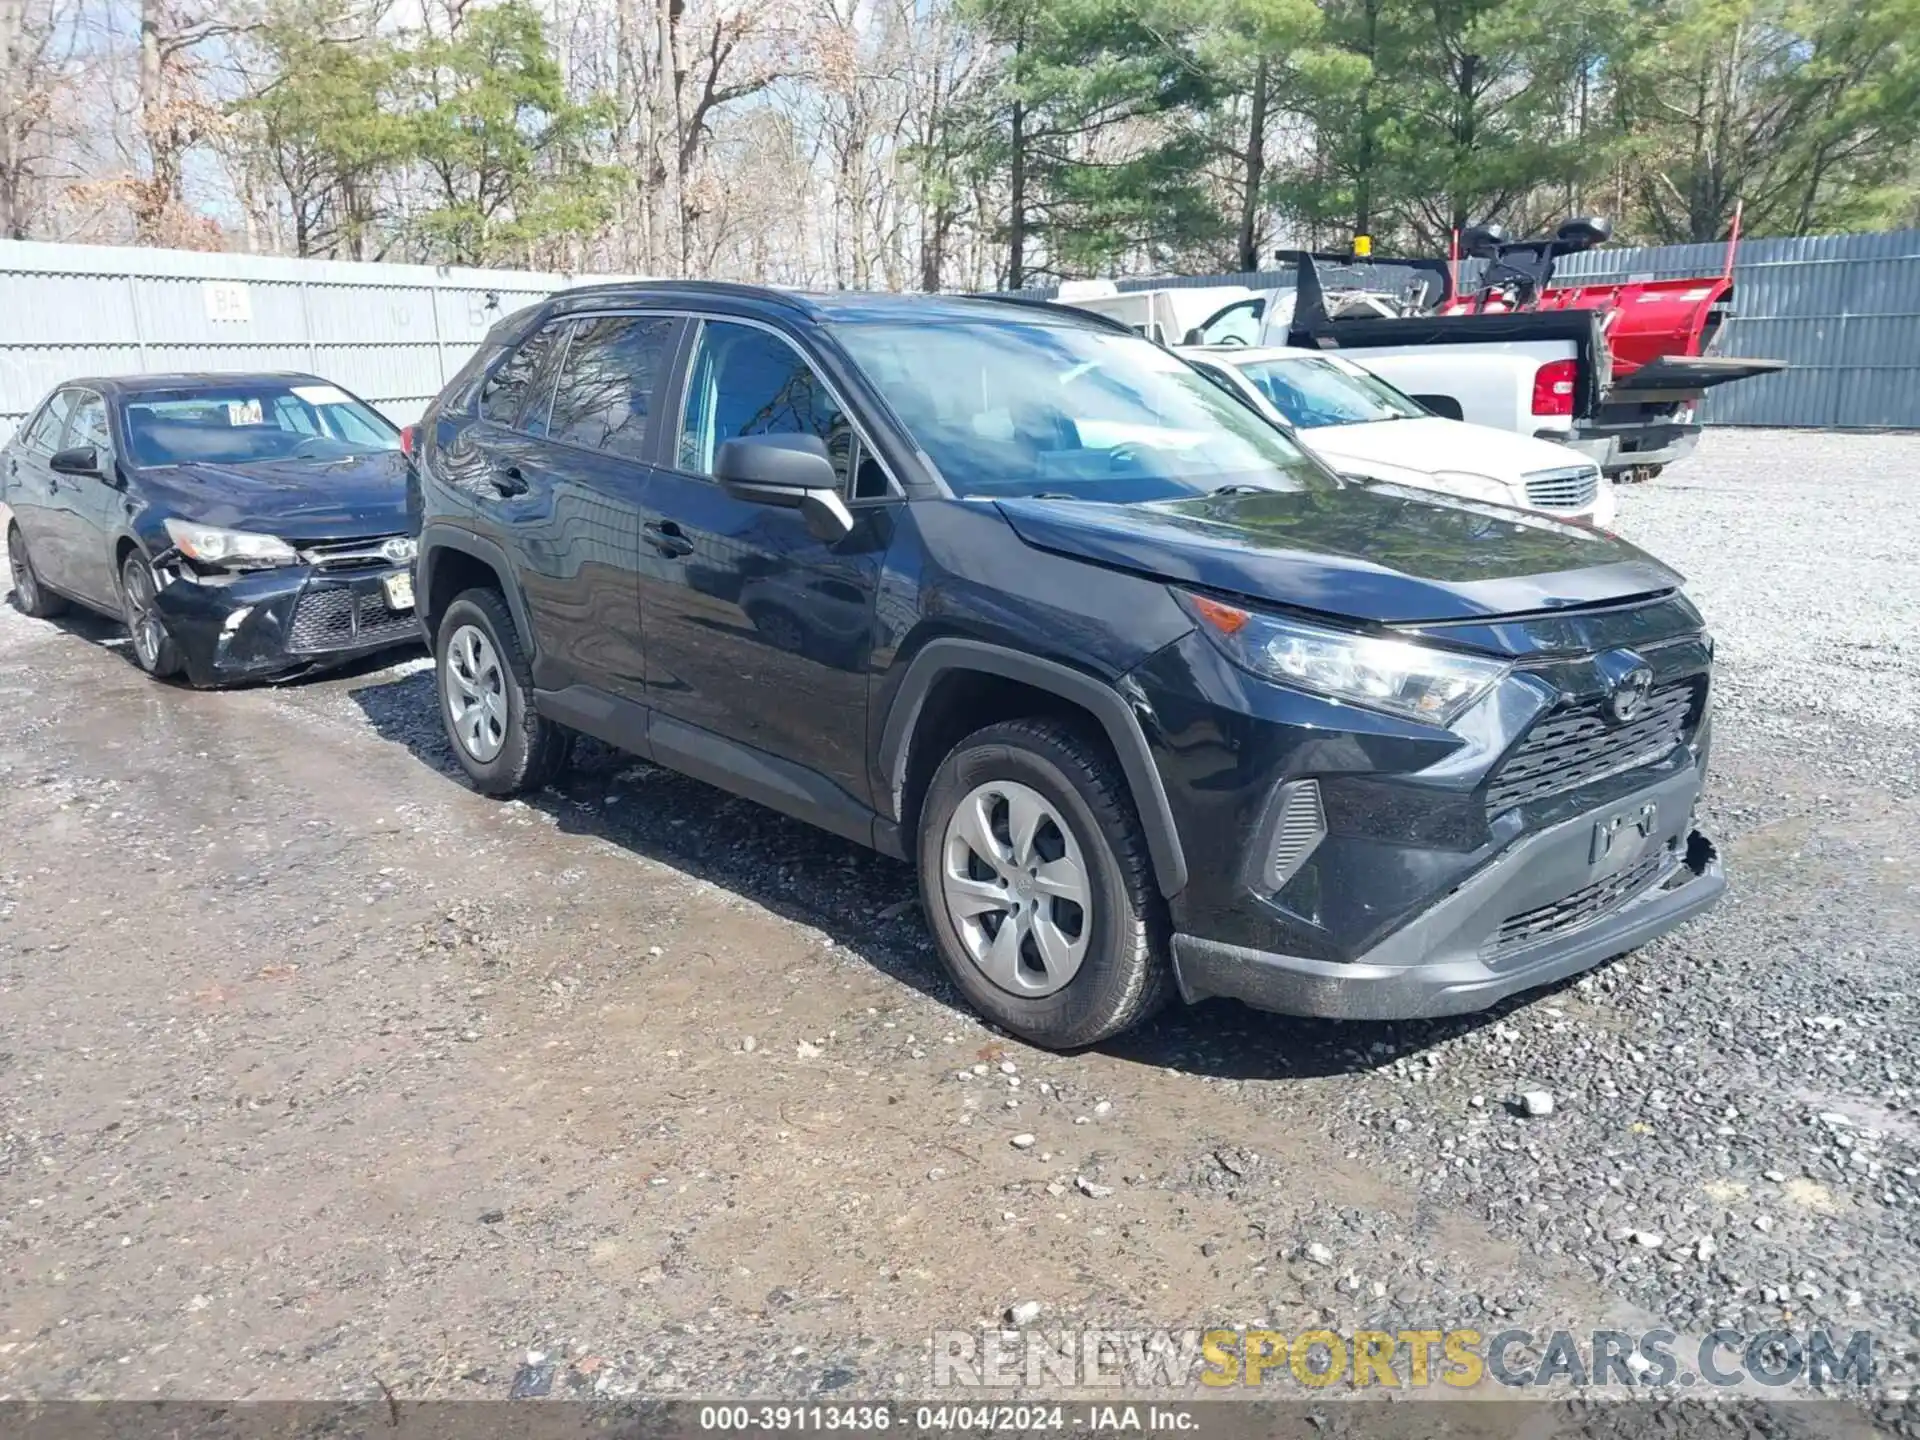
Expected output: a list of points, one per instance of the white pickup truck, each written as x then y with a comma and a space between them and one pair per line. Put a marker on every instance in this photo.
1615, 372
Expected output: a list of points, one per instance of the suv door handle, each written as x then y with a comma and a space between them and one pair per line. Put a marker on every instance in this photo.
509, 481
668, 538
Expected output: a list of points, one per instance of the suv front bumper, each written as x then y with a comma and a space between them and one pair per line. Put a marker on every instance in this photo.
1544, 909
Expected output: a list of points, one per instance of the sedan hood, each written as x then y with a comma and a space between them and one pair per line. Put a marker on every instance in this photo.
1432, 443
354, 498
1364, 552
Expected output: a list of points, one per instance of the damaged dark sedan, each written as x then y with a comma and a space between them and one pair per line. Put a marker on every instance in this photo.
245, 527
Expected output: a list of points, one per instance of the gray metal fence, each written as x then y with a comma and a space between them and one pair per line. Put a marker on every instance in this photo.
1842, 310
392, 334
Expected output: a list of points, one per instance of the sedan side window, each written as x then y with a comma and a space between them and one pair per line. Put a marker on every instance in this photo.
506, 392
614, 364
43, 436
746, 381
88, 424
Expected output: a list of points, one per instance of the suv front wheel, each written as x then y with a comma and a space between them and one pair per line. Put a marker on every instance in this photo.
486, 699
1037, 885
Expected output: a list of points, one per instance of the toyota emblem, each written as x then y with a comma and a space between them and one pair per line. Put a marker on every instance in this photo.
1630, 694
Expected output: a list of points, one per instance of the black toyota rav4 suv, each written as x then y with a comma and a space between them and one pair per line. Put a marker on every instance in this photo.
1153, 701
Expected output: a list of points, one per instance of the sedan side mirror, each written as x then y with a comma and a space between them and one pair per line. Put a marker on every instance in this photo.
789, 472
76, 460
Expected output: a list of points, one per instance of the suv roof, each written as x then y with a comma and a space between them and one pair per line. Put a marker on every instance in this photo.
814, 305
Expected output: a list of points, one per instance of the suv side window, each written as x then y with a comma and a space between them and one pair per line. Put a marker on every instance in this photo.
43, 435
613, 366
506, 391
747, 381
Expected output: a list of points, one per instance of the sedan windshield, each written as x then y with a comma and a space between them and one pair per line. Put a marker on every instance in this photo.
1314, 393
252, 420
1019, 407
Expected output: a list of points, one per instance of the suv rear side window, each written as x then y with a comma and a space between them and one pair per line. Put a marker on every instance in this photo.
613, 366
505, 394
745, 381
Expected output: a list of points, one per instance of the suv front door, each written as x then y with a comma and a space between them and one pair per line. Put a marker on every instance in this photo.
757, 632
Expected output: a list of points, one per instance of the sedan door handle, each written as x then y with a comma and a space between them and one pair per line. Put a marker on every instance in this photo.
668, 538
509, 481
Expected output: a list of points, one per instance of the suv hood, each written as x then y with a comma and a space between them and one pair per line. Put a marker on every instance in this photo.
1365, 552
353, 498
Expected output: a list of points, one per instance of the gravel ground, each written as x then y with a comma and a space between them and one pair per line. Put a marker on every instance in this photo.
320, 1074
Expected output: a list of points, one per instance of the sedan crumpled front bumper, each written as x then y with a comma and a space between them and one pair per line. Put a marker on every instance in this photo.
266, 623
1545, 909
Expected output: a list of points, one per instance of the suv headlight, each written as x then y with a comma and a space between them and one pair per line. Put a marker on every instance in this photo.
229, 549
1377, 671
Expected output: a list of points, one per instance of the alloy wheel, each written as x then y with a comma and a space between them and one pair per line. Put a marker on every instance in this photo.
143, 620
476, 692
25, 584
1016, 888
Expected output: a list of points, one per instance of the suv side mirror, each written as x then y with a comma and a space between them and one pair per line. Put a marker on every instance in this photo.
76, 460
789, 472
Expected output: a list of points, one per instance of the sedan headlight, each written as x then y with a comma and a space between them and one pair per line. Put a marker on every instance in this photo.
1378, 671
229, 549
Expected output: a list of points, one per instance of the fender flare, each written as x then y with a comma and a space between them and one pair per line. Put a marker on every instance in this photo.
1102, 701
438, 538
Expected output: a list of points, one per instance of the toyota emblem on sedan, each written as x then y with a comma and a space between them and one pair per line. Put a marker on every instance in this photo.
1630, 694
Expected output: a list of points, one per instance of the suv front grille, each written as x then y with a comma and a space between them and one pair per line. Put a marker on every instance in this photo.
338, 619
1582, 907
1571, 489
1577, 744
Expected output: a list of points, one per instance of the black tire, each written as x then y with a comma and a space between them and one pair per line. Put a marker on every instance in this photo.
30, 596
533, 749
154, 650
1125, 975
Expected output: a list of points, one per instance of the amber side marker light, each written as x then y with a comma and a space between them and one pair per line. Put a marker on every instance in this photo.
1227, 619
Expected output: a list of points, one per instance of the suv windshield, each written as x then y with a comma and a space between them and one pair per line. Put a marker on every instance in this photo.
1314, 393
1020, 407
235, 423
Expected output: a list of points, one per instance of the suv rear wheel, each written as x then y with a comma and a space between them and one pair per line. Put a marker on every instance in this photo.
486, 699
1036, 883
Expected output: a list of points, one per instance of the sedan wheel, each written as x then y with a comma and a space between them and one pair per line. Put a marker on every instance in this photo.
29, 594
153, 647
476, 693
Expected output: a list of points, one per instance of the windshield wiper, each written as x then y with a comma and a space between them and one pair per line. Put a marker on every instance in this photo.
1239, 489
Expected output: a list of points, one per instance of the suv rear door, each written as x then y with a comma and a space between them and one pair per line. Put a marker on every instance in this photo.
564, 480
756, 631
